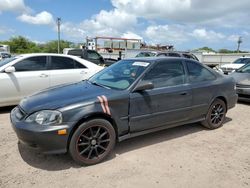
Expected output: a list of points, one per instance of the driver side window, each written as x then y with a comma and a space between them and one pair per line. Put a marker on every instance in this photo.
166, 74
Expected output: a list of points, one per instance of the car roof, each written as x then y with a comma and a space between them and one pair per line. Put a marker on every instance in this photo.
43, 54
155, 51
154, 59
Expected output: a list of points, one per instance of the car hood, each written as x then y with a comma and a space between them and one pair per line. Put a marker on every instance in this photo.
61, 96
232, 65
241, 78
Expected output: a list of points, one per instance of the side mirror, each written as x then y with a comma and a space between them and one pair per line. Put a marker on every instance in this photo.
144, 85
10, 69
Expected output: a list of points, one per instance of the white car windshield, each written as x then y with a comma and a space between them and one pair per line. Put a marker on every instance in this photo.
242, 61
6, 61
245, 69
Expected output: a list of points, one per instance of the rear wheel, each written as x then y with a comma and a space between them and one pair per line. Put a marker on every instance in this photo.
92, 142
216, 115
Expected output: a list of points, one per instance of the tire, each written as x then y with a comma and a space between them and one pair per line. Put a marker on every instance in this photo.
92, 142
216, 115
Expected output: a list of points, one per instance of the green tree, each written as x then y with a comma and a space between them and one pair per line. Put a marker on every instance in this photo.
207, 49
51, 47
225, 51
21, 44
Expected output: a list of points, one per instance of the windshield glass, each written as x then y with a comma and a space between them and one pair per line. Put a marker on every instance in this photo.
245, 69
6, 61
242, 61
120, 75
146, 54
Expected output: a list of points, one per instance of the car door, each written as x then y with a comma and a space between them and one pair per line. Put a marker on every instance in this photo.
204, 84
66, 70
168, 103
30, 76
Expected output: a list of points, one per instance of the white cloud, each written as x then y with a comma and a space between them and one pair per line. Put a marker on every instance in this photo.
166, 34
208, 35
107, 23
116, 19
5, 30
195, 11
14, 6
233, 38
131, 35
42, 18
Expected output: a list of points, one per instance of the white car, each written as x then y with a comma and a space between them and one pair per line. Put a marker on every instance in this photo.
23, 75
238, 63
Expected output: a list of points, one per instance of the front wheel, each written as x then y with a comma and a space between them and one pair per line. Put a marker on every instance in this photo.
92, 142
216, 115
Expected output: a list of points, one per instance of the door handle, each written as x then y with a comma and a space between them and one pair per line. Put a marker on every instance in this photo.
183, 93
83, 72
44, 75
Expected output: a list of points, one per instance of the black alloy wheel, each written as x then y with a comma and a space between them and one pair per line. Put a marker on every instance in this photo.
92, 142
216, 115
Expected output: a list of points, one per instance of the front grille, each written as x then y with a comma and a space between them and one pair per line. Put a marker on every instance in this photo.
227, 69
242, 86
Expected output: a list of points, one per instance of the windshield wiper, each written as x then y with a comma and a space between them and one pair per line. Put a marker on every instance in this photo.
97, 84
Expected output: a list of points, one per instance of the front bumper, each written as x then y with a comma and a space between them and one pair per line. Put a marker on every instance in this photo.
243, 93
227, 70
44, 138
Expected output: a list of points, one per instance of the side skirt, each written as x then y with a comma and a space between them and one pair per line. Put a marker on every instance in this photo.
131, 135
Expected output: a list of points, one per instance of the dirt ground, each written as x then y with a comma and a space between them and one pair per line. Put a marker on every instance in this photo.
186, 156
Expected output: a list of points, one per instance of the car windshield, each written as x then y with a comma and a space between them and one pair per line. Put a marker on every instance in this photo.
146, 54
242, 61
120, 75
6, 61
244, 69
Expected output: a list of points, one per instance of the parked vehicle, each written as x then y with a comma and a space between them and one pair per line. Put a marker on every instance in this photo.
4, 55
238, 63
242, 77
25, 74
187, 55
130, 98
92, 56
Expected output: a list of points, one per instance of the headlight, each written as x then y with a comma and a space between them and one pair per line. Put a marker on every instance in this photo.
45, 117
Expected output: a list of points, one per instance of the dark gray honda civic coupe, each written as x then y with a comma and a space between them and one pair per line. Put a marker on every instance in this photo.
130, 98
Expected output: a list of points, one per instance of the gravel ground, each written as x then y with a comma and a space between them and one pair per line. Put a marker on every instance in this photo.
185, 156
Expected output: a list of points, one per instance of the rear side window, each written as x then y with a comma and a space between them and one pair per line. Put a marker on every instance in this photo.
77, 52
198, 73
145, 54
174, 55
189, 56
31, 64
64, 63
93, 55
161, 55
166, 73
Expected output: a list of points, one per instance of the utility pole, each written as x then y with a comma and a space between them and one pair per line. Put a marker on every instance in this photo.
239, 42
58, 21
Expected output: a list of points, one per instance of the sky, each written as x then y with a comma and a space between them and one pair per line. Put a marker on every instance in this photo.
186, 24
